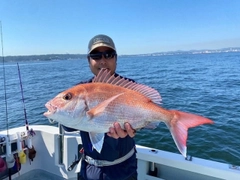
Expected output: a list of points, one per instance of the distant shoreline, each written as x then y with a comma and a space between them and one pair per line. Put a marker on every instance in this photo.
48, 57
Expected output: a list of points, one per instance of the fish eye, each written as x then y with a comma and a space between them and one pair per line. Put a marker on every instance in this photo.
68, 96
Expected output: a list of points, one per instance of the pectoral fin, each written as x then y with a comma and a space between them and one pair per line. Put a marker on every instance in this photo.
101, 107
97, 140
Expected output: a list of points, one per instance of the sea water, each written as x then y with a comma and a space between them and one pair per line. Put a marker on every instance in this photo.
204, 84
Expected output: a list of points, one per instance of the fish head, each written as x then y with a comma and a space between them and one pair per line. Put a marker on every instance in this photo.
68, 107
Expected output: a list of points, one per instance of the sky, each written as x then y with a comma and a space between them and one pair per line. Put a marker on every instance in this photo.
36, 27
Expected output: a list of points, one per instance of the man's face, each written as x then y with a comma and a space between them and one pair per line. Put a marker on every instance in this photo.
109, 62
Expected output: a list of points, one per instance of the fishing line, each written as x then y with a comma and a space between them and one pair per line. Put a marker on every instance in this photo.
4, 83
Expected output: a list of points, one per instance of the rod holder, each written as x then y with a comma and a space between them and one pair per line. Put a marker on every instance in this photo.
19, 142
8, 147
29, 142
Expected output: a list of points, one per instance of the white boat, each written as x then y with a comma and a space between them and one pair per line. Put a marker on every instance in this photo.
55, 153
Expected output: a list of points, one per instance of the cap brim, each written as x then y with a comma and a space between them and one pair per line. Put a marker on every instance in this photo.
100, 45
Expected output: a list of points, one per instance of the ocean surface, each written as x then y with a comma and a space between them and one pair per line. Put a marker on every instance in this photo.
204, 84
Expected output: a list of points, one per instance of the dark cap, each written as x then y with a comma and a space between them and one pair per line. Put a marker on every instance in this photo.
100, 40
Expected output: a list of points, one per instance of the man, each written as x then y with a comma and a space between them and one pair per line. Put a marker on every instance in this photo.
117, 160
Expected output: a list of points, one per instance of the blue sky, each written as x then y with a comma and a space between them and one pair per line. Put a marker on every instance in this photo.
137, 26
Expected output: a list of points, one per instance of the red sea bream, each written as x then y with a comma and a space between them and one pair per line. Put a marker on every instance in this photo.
94, 107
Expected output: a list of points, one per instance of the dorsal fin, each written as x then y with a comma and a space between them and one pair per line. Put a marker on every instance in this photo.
104, 76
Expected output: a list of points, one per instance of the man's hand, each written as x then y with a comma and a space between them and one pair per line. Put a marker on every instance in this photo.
117, 132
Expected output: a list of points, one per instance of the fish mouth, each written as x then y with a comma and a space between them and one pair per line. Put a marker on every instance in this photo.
51, 109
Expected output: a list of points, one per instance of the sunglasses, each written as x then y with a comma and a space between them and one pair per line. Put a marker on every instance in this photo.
99, 55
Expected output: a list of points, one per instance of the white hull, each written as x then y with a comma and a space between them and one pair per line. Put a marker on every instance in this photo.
50, 158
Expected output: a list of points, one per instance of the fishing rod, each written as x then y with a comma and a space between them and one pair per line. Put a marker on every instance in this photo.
8, 143
4, 84
24, 109
30, 132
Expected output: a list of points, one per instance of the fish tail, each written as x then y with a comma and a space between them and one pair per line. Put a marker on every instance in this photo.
179, 125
